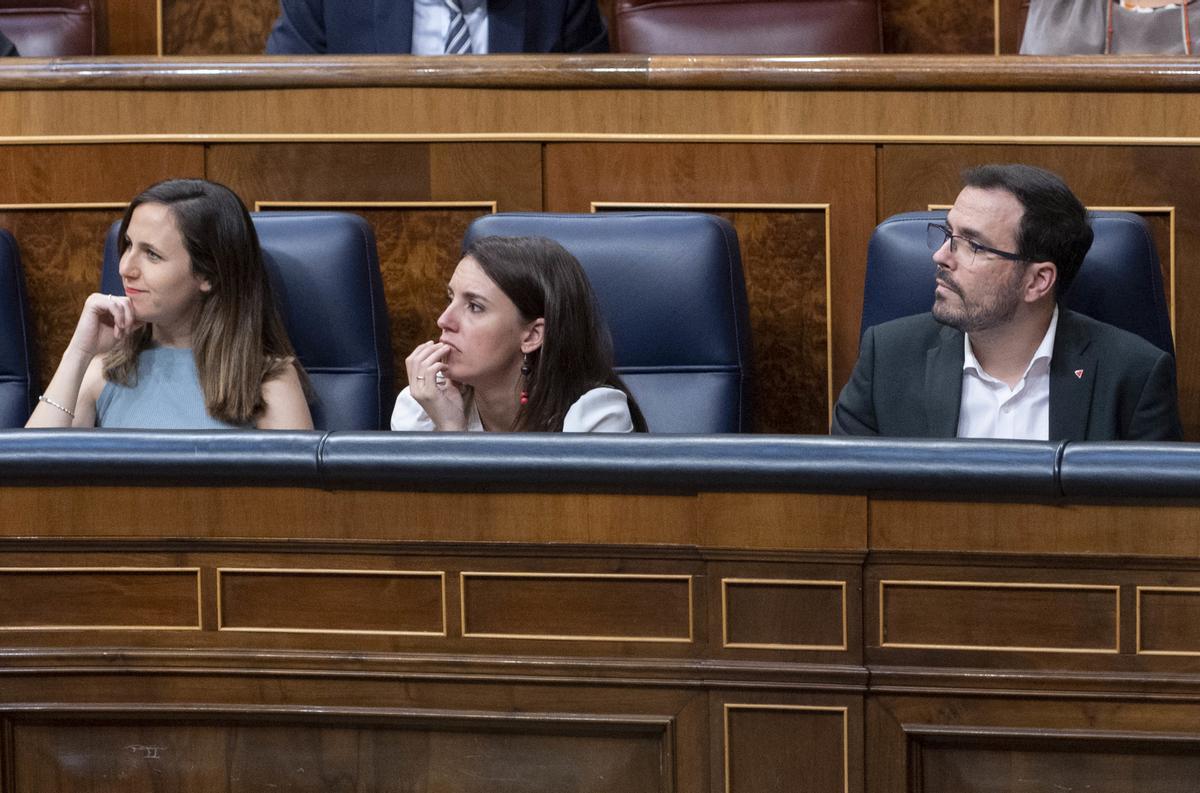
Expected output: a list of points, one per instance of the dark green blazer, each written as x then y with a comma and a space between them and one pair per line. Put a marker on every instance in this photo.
908, 383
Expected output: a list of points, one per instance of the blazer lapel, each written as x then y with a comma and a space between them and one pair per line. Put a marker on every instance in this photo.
1072, 376
943, 384
506, 25
393, 26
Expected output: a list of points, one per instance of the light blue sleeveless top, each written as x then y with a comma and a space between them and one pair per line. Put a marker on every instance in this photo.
167, 395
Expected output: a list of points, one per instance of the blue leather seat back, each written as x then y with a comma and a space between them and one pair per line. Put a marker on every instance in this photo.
324, 272
671, 290
1120, 281
18, 378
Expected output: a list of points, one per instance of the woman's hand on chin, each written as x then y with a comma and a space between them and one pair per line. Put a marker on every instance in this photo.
105, 320
430, 385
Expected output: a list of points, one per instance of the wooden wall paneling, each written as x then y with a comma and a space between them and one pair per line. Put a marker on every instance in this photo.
216, 27
939, 26
1010, 743
133, 27
419, 199
58, 201
1012, 24
792, 303
1160, 181
764, 743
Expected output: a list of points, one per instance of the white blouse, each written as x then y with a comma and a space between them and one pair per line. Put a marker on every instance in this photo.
602, 409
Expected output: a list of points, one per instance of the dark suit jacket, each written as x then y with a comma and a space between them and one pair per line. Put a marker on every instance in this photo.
908, 383
307, 27
7, 47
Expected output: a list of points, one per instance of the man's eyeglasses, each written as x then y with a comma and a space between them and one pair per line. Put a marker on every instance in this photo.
937, 235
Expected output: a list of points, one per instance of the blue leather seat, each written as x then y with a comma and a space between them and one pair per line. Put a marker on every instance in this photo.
324, 271
670, 287
18, 378
1120, 281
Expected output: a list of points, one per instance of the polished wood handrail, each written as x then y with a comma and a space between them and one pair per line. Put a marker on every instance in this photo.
886, 72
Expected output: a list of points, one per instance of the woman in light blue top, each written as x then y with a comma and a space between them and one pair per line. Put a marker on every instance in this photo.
195, 342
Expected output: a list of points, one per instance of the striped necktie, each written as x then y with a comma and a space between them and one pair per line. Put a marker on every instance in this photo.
458, 37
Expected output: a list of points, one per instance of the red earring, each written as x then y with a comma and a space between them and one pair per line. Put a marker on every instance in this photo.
525, 370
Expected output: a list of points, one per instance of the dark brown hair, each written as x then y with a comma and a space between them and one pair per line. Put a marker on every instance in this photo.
238, 339
544, 280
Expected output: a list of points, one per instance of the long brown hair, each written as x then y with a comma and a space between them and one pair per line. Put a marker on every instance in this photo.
544, 280
238, 339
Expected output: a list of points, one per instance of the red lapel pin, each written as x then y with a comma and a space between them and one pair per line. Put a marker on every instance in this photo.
1078, 374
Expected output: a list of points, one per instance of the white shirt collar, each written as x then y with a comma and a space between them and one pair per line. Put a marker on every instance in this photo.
1043, 352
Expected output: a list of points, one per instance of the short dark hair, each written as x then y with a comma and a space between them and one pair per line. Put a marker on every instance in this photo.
543, 279
1054, 226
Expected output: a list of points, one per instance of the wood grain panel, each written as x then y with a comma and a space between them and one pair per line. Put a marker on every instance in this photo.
912, 177
1012, 24
781, 251
75, 174
132, 27
577, 606
536, 754
784, 615
998, 616
61, 253
1168, 620
985, 761
769, 748
331, 601
938, 26
99, 599
217, 27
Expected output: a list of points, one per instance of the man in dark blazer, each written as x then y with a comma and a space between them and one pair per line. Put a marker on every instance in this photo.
997, 357
307, 27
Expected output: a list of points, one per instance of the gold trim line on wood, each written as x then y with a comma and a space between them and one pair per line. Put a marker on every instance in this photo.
1114, 588
439, 574
66, 205
995, 27
595, 137
841, 709
1138, 621
782, 582
158, 26
823, 207
492, 205
462, 604
136, 570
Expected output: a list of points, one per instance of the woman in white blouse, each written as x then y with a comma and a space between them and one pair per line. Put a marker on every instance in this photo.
522, 348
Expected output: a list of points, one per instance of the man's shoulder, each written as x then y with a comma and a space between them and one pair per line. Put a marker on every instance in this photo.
920, 330
1107, 339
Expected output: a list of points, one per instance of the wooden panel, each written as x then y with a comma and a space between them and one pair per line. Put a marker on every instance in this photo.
999, 616
783, 520
769, 748
407, 192
1168, 620
61, 253
332, 601
99, 599
217, 27
1042, 762
132, 27
781, 251
938, 26
1012, 24
537, 754
44, 196
913, 177
577, 606
780, 614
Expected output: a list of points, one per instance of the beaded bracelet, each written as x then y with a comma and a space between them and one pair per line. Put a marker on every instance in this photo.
53, 404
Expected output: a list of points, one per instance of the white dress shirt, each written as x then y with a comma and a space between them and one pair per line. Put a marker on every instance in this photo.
431, 23
990, 409
602, 409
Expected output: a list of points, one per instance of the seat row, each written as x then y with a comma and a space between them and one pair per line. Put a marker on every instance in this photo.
670, 286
